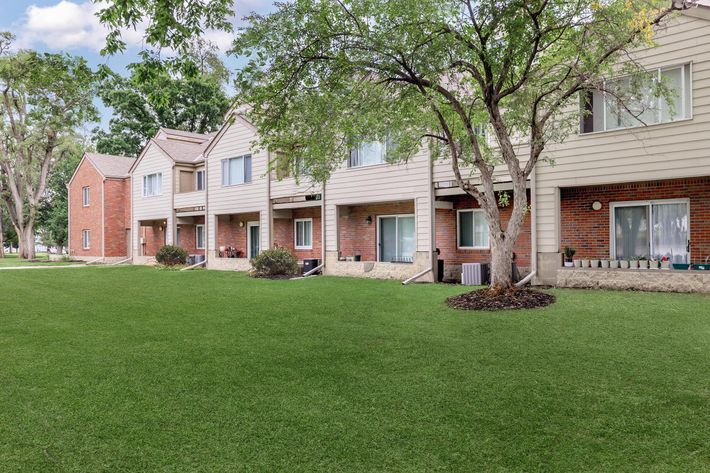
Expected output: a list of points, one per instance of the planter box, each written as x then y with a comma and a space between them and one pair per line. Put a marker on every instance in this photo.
594, 263
585, 263
605, 263
623, 264
577, 263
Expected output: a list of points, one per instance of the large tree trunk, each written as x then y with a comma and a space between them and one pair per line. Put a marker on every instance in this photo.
2, 235
501, 262
26, 240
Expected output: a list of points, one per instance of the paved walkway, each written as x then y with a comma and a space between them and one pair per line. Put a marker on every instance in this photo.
45, 267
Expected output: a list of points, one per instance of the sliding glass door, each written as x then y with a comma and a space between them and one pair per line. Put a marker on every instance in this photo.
396, 238
654, 229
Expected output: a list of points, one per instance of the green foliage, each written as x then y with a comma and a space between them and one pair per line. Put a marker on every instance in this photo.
277, 261
569, 253
53, 216
153, 97
171, 255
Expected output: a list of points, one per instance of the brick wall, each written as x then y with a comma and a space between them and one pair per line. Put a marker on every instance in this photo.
85, 218
229, 233
356, 236
188, 237
588, 231
153, 239
284, 232
116, 225
446, 228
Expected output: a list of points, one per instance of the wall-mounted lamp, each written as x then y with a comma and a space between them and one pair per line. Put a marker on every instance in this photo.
241, 223
369, 219
596, 205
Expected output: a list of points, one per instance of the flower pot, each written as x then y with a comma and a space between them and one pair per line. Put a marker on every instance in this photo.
653, 264
633, 264
569, 264
624, 264
577, 263
594, 263
665, 265
613, 264
604, 263
643, 264
585, 263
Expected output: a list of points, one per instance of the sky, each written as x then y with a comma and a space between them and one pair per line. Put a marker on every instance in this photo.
71, 26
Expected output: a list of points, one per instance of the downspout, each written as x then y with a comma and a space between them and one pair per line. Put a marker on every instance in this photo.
103, 218
417, 276
433, 257
533, 230
68, 220
322, 227
207, 213
269, 210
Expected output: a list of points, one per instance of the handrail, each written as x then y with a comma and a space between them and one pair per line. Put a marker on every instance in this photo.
416, 276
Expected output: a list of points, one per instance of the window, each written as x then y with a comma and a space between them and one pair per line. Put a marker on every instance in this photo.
396, 238
200, 237
200, 180
304, 233
236, 170
177, 236
85, 239
472, 229
602, 111
651, 229
368, 154
153, 185
85, 196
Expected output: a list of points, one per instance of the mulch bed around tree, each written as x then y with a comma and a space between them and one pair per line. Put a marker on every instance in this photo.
487, 299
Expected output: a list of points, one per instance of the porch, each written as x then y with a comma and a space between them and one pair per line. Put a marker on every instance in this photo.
190, 235
152, 236
299, 229
238, 239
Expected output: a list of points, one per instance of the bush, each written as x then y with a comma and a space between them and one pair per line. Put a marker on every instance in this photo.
170, 255
274, 262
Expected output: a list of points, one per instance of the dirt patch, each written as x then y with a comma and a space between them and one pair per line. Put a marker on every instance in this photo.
513, 299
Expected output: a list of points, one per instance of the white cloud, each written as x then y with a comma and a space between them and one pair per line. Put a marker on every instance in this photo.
68, 25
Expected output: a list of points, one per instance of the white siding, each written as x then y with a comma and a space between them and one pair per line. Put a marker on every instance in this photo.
156, 207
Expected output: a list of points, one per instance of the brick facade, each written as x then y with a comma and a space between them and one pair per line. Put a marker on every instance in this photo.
117, 223
188, 236
588, 230
284, 232
85, 218
357, 236
153, 238
229, 233
446, 233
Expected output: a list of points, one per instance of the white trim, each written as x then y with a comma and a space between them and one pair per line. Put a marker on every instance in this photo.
197, 239
648, 204
197, 180
458, 234
295, 234
85, 196
249, 226
86, 239
379, 227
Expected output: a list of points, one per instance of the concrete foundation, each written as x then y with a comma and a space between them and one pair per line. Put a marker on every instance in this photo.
379, 270
637, 279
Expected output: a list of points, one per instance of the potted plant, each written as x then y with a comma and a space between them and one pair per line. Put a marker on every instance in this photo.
585, 263
594, 263
665, 263
569, 253
614, 264
577, 263
605, 263
624, 264
642, 262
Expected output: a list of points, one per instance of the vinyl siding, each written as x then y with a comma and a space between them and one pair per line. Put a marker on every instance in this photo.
664, 151
242, 198
157, 207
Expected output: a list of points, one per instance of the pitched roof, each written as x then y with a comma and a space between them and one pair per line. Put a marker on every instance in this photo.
201, 137
111, 166
182, 151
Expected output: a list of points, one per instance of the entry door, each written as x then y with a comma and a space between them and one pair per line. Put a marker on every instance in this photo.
396, 238
253, 239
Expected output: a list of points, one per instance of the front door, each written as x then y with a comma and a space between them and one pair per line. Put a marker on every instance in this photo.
253, 245
396, 238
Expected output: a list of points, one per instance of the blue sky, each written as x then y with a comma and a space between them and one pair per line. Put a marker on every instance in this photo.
71, 26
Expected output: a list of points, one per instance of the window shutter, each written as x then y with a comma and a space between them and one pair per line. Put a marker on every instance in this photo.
225, 172
247, 168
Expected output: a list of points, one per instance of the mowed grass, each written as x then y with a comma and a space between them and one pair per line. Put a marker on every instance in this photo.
140, 370
13, 260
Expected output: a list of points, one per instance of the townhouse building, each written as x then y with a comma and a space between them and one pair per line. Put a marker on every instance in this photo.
99, 211
617, 189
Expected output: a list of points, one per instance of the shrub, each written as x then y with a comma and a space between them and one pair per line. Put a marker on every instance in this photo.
170, 255
274, 262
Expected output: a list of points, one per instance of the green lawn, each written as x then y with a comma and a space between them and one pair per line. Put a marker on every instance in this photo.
140, 370
12, 259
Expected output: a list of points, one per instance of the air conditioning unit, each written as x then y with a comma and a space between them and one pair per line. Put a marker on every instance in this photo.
475, 274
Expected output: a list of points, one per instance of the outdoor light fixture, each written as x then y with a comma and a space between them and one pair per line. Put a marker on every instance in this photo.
369, 219
596, 205
241, 223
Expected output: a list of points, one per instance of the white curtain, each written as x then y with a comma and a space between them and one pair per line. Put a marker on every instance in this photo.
670, 231
631, 229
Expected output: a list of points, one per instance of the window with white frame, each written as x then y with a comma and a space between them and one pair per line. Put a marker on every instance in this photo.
200, 237
85, 196
200, 180
604, 111
86, 239
368, 154
303, 228
651, 229
236, 170
472, 229
153, 184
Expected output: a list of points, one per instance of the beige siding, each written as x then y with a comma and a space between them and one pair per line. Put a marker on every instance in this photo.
382, 183
189, 199
251, 197
289, 187
665, 151
157, 207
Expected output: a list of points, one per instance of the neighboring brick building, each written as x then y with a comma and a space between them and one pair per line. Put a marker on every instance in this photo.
100, 207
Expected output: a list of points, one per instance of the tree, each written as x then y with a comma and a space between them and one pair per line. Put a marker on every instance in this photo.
53, 215
153, 97
44, 98
323, 75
